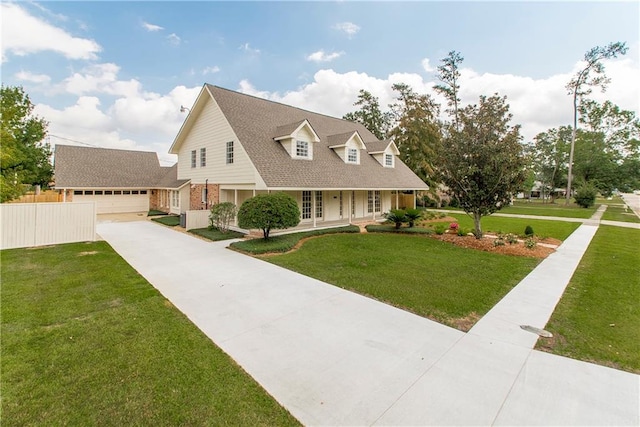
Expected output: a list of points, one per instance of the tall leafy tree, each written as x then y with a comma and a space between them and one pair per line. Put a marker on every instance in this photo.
482, 162
550, 152
582, 83
417, 131
370, 115
25, 156
449, 76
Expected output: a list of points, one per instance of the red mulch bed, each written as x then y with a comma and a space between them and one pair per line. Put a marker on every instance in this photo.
486, 244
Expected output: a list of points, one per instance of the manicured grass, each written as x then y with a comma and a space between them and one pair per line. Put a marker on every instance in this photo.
598, 318
497, 224
285, 242
617, 213
215, 235
384, 228
154, 212
88, 341
422, 275
548, 209
170, 220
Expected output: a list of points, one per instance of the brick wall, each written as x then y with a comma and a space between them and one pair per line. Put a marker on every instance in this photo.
195, 198
153, 199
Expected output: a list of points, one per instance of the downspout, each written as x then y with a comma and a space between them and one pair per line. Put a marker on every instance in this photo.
206, 194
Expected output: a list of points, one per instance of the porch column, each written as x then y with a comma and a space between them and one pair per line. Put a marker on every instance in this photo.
415, 194
397, 201
313, 208
235, 202
350, 204
254, 192
64, 195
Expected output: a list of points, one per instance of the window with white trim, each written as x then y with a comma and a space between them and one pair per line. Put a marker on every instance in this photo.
203, 157
370, 201
175, 200
352, 155
306, 205
318, 204
229, 152
302, 149
193, 158
388, 160
376, 200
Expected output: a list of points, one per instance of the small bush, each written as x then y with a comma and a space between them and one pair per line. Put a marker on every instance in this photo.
397, 216
221, 216
530, 243
454, 203
269, 212
586, 196
498, 242
528, 231
412, 215
453, 226
462, 232
511, 238
440, 228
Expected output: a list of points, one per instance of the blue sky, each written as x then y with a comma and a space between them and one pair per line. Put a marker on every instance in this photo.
114, 74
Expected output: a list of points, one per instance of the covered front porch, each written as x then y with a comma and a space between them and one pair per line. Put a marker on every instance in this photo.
328, 208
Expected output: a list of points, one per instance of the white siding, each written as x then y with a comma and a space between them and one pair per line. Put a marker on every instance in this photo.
38, 224
212, 131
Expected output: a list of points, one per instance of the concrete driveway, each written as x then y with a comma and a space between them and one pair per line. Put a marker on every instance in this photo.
332, 357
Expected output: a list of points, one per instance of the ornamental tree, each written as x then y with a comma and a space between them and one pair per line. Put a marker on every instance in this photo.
481, 161
268, 212
221, 216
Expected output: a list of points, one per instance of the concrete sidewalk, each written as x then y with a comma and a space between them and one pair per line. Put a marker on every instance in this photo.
333, 357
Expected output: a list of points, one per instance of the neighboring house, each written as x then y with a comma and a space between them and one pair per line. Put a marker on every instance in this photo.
233, 146
118, 180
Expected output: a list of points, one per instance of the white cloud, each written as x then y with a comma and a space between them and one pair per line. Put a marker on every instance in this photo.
174, 39
322, 56
151, 27
427, 66
23, 34
245, 47
536, 104
28, 76
99, 78
348, 28
211, 70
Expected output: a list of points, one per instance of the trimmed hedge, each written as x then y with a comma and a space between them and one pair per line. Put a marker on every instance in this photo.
286, 242
373, 228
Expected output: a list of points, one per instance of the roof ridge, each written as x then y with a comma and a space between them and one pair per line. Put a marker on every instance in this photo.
104, 148
280, 103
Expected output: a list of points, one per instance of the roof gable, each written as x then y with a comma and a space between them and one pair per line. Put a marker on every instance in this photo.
344, 139
379, 147
291, 131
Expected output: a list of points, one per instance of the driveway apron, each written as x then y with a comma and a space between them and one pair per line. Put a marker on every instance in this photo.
332, 357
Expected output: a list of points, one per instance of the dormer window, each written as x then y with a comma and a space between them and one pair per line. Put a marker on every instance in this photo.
297, 138
388, 160
352, 155
302, 149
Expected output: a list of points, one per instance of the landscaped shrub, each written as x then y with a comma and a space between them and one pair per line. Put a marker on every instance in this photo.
397, 216
269, 212
586, 196
498, 242
462, 232
528, 231
530, 243
221, 216
440, 228
511, 238
454, 203
454, 226
412, 215
377, 228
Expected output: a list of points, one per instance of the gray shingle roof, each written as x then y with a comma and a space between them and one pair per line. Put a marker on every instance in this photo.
377, 146
255, 121
88, 167
169, 178
341, 139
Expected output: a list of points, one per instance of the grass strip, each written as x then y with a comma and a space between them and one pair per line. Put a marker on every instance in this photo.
154, 212
618, 213
597, 319
87, 341
433, 279
286, 242
215, 234
170, 220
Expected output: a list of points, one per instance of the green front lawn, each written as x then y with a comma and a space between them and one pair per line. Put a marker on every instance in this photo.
88, 341
598, 317
425, 276
618, 213
215, 234
500, 224
286, 242
170, 220
549, 209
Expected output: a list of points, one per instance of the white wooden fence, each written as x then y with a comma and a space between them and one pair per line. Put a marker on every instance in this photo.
37, 224
197, 219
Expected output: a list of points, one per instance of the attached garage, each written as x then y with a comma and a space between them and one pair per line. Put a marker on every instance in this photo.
115, 201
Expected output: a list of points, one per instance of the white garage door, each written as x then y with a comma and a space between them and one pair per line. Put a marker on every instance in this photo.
115, 201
